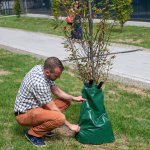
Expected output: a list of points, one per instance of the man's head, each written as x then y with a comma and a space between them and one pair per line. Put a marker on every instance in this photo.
53, 68
76, 4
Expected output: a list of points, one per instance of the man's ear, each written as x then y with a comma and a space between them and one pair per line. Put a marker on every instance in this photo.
47, 72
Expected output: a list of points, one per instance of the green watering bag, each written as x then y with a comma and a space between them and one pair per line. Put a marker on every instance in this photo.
95, 126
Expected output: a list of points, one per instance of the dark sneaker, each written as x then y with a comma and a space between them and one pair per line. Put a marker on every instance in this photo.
49, 134
37, 141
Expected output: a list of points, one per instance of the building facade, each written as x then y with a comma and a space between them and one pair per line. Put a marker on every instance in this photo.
141, 8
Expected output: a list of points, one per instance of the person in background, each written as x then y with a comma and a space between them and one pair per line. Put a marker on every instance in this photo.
34, 106
76, 32
74, 20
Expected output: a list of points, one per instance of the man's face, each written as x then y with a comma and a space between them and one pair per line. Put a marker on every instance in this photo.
76, 5
53, 75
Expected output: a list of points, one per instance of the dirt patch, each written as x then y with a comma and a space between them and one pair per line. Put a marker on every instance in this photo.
64, 131
137, 41
4, 72
121, 142
131, 40
134, 90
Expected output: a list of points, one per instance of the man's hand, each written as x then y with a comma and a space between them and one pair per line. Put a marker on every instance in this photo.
78, 99
74, 127
63, 95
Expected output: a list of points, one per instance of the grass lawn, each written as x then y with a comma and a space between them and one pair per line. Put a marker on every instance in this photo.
128, 109
138, 36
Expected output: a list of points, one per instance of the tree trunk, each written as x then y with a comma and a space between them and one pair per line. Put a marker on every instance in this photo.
91, 39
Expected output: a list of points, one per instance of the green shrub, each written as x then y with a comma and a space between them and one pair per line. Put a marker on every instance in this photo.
17, 8
123, 10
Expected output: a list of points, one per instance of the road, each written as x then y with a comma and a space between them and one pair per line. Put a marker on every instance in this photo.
133, 68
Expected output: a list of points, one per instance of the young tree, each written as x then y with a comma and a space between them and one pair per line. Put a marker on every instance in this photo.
123, 11
89, 48
1, 5
17, 8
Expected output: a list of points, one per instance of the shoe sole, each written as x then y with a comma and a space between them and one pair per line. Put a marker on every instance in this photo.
48, 136
33, 143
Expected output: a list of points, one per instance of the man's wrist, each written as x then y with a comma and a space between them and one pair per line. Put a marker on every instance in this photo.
73, 98
67, 123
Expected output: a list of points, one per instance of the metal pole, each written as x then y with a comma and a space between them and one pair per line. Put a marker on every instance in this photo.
26, 6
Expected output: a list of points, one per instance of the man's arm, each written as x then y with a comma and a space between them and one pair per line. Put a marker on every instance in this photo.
51, 106
63, 95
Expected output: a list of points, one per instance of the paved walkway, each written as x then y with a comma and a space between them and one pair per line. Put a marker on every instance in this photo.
133, 68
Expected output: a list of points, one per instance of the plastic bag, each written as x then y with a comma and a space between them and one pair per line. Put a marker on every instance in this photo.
94, 123
69, 19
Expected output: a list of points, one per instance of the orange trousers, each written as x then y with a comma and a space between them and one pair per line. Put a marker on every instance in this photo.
41, 121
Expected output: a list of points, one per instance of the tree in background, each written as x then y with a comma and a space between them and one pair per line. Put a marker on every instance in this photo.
0, 4
90, 53
17, 8
123, 11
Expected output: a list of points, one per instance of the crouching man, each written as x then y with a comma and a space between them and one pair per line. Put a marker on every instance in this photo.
34, 106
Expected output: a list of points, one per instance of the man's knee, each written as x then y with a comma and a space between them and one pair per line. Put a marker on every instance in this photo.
60, 119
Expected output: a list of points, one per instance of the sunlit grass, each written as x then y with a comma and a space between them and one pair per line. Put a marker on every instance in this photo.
128, 111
